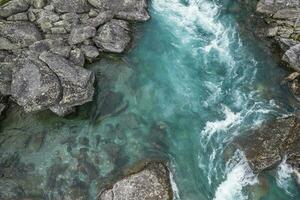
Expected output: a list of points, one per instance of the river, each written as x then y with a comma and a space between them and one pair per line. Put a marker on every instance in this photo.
189, 85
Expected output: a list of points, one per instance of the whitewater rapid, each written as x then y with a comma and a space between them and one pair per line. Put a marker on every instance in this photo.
225, 90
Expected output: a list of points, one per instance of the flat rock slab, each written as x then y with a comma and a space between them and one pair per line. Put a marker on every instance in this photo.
265, 147
152, 182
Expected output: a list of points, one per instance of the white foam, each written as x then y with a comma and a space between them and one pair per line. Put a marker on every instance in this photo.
238, 176
284, 176
174, 187
231, 119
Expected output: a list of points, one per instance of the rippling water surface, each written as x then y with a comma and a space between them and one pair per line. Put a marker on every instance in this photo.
189, 86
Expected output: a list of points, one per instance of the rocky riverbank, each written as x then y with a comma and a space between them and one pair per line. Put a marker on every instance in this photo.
45, 44
278, 140
283, 19
267, 146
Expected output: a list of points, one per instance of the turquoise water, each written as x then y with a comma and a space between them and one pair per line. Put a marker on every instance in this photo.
190, 84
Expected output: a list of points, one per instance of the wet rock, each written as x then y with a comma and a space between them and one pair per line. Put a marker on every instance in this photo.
37, 93
52, 174
67, 6
111, 102
113, 36
36, 141
135, 10
84, 141
88, 168
78, 191
266, 146
90, 52
15, 35
13, 7
286, 44
9, 189
81, 33
77, 82
152, 182
291, 56
283, 18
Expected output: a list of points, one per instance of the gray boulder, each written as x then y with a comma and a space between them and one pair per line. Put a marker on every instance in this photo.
77, 83
18, 35
34, 86
81, 33
13, 7
100, 19
69, 6
292, 57
152, 182
266, 146
90, 52
113, 36
135, 10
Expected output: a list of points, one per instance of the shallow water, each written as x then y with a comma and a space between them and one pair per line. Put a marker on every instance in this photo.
189, 86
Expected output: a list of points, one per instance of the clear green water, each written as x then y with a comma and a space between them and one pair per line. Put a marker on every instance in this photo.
188, 87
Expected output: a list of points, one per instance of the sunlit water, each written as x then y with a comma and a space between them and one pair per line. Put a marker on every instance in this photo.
189, 86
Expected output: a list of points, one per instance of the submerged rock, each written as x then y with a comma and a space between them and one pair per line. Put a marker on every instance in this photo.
265, 147
152, 182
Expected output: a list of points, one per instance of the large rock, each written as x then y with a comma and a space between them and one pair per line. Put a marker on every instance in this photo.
100, 19
69, 6
13, 7
265, 147
35, 87
152, 182
81, 33
271, 6
15, 35
292, 57
135, 10
77, 82
113, 36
